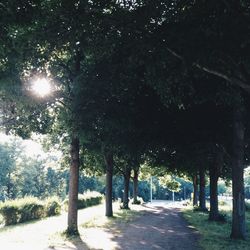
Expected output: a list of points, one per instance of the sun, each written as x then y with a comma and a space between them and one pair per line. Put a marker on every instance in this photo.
41, 87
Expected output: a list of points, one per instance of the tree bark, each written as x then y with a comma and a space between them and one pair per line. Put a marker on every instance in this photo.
195, 186
202, 184
126, 176
238, 230
214, 210
73, 186
214, 172
108, 157
135, 185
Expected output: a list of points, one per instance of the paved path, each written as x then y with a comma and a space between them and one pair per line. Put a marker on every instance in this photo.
158, 228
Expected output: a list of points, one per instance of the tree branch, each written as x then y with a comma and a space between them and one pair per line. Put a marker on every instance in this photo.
119, 169
230, 79
233, 80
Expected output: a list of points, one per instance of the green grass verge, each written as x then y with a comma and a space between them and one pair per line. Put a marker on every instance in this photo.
215, 235
122, 216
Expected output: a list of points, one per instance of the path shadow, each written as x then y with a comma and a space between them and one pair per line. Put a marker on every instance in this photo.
157, 228
71, 243
78, 243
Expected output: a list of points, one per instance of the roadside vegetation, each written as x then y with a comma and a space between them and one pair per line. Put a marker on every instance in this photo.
214, 235
31, 208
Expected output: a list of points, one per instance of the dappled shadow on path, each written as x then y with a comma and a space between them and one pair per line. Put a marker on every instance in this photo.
78, 243
156, 228
72, 243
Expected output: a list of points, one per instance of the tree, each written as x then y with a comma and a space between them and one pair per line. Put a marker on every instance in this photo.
8, 171
238, 220
215, 170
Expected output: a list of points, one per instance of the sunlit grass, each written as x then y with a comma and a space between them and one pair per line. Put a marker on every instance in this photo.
215, 235
119, 216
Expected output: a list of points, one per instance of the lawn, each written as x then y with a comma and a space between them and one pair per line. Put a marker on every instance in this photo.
215, 235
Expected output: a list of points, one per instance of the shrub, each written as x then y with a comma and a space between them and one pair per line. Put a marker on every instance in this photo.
87, 199
20, 210
28, 208
31, 211
9, 213
52, 206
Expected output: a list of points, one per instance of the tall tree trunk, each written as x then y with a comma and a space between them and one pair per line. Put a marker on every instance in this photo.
108, 157
73, 186
135, 185
195, 186
126, 175
214, 172
202, 184
214, 210
238, 230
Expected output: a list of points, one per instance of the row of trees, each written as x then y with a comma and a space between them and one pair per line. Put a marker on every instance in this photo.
45, 175
164, 82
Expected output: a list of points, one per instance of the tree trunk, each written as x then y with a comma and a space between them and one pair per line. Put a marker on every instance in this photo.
202, 195
214, 172
73, 186
214, 210
126, 188
238, 230
195, 196
108, 157
135, 185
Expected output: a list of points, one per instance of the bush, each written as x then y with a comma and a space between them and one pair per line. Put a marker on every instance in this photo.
52, 206
31, 211
9, 213
20, 210
87, 199
28, 208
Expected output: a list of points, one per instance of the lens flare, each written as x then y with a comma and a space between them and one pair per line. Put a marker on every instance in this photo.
41, 87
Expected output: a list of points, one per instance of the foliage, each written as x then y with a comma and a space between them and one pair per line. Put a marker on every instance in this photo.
9, 153
28, 208
87, 199
52, 206
25, 175
151, 79
170, 183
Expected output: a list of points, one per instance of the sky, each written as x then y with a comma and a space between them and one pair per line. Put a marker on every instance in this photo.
32, 148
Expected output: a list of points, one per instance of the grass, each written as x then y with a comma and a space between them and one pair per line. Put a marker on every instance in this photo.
120, 216
215, 235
